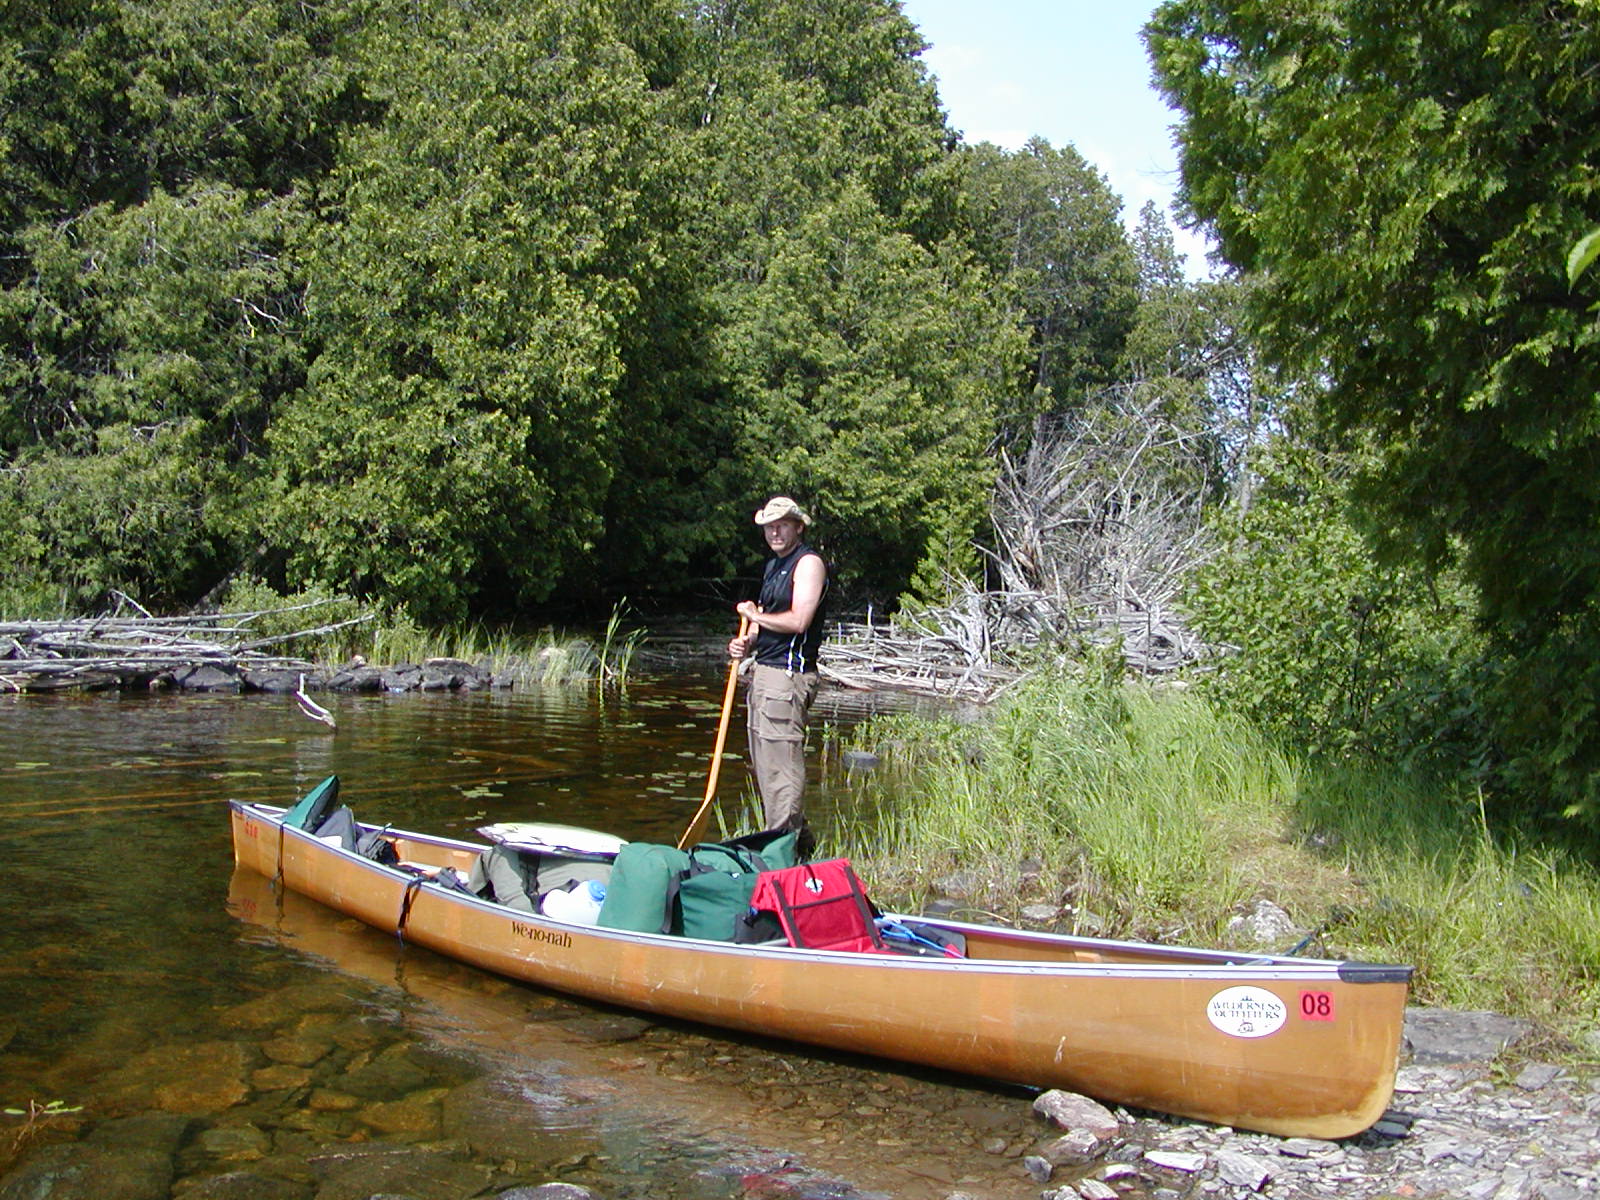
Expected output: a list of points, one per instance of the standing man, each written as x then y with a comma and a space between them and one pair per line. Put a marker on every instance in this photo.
784, 633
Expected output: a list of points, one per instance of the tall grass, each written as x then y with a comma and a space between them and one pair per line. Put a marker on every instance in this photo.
546, 657
392, 637
1123, 805
1152, 814
1491, 919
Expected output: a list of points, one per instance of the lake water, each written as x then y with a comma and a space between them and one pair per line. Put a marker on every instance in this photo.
259, 1045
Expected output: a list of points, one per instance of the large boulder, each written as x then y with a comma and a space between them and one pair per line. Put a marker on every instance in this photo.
402, 677
199, 1078
278, 681
356, 679
208, 677
128, 1159
359, 1171
440, 674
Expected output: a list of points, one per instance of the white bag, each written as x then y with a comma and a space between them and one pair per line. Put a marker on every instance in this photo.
580, 906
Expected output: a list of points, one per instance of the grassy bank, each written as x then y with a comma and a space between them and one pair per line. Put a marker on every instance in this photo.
331, 629
1151, 814
545, 657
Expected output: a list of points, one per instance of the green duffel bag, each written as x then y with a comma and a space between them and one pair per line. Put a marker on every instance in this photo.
637, 894
712, 893
778, 848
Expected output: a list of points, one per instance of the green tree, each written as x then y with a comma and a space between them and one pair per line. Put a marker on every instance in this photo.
868, 371
798, 121
1406, 179
1324, 644
453, 445
1190, 358
107, 100
1047, 220
470, 304
766, 114
790, 102
150, 297
146, 353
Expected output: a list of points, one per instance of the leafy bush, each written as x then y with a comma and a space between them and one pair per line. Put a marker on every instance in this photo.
1327, 646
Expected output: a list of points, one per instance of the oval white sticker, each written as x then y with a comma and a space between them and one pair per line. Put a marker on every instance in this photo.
1247, 1012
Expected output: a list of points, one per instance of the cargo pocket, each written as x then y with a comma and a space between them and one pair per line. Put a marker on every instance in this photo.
775, 719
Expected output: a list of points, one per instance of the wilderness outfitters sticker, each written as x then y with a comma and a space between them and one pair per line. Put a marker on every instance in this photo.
1247, 1012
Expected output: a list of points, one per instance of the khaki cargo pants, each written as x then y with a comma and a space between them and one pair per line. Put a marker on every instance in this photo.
777, 704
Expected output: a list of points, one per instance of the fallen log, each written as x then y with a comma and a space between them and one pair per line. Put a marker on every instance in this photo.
113, 650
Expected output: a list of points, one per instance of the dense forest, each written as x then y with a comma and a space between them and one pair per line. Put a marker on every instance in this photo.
463, 309
472, 306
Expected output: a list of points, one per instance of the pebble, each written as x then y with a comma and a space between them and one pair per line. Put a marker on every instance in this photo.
1074, 1112
1073, 1148
1176, 1160
1242, 1170
1455, 1132
1537, 1075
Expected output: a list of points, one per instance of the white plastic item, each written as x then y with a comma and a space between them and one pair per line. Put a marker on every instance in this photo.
580, 906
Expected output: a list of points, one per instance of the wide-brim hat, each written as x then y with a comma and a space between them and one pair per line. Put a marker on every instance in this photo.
779, 507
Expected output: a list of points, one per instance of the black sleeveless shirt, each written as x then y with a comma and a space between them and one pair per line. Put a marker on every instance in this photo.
793, 652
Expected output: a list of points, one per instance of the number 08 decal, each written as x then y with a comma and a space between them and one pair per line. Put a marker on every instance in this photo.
1316, 1006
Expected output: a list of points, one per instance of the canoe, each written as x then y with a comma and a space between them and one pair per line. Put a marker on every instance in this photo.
1290, 1046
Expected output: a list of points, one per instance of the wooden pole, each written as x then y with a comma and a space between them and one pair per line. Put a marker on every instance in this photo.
696, 826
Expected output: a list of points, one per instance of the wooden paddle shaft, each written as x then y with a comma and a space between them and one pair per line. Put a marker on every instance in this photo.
692, 834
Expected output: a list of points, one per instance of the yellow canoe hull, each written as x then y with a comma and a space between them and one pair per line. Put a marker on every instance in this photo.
1297, 1047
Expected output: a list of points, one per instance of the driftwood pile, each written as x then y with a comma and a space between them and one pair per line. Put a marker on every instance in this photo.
1097, 528
117, 650
977, 648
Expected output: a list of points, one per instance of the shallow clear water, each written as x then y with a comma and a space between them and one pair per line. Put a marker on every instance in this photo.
139, 973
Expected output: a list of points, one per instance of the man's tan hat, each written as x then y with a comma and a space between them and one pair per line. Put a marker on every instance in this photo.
779, 507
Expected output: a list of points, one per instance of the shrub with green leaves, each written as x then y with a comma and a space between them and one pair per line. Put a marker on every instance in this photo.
1323, 644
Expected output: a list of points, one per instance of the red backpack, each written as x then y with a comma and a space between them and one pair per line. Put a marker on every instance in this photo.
821, 906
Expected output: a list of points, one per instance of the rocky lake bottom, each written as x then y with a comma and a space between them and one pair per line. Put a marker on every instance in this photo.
489, 1089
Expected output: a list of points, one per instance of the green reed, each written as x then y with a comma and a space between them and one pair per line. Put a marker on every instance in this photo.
617, 647
546, 657
1121, 804
1492, 919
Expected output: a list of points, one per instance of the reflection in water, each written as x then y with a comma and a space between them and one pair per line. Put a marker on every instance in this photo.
562, 1080
129, 985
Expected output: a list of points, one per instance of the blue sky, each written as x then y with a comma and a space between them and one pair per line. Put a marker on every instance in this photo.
1065, 70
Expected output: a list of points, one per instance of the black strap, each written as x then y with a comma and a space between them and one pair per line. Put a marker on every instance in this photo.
277, 880
405, 906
